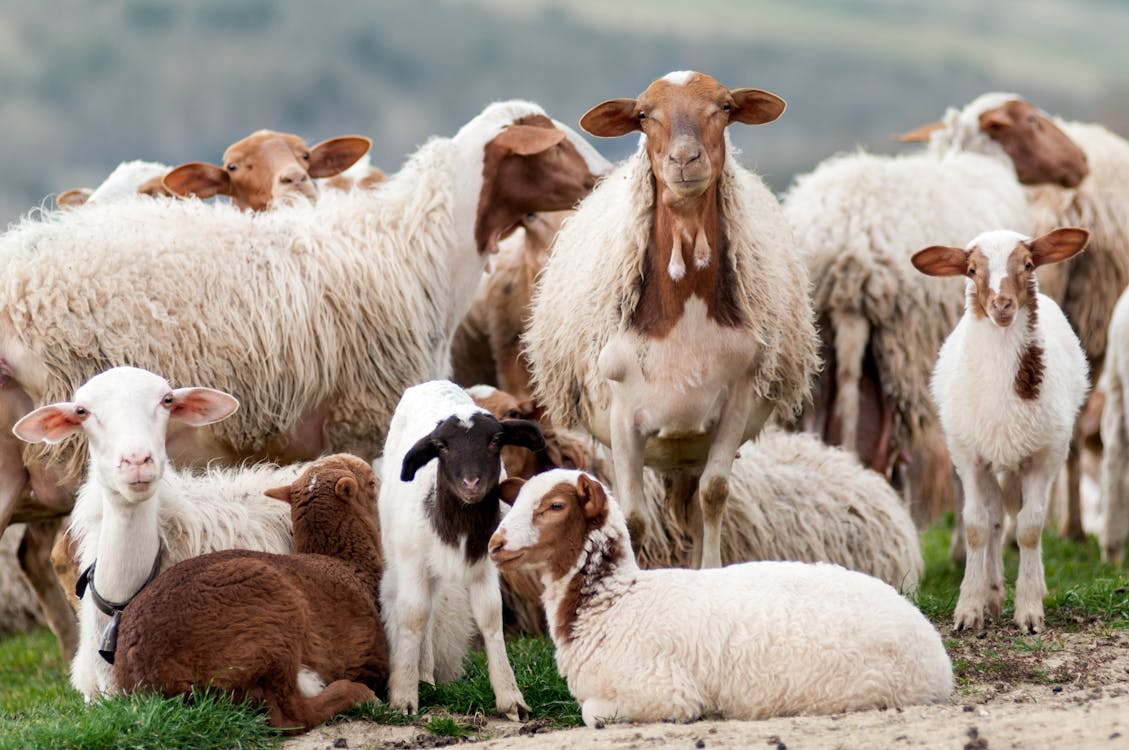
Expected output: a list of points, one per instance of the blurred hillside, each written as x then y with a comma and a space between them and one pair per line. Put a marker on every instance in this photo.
86, 85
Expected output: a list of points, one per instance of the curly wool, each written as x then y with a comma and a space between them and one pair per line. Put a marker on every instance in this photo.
286, 310
593, 283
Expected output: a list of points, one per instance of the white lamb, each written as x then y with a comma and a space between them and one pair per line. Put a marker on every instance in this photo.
1008, 383
747, 641
439, 502
135, 515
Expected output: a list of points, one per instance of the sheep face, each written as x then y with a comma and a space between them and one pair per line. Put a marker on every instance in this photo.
469, 447
683, 116
1038, 149
267, 167
530, 166
124, 412
549, 523
1000, 268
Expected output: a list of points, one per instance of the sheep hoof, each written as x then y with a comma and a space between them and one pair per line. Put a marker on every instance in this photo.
516, 712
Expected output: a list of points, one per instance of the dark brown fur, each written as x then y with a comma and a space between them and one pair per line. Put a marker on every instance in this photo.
245, 622
1029, 376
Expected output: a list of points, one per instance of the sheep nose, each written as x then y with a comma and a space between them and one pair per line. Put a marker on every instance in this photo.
470, 484
496, 543
136, 459
1003, 305
293, 177
685, 155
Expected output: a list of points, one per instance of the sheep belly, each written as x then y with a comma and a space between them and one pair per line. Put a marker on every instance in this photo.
754, 641
675, 388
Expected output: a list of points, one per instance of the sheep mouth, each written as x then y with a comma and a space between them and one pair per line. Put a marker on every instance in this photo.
506, 558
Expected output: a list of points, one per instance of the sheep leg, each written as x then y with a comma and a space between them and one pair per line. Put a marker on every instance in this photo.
35, 560
1030, 584
411, 604
486, 603
295, 713
1114, 474
982, 493
1072, 523
627, 458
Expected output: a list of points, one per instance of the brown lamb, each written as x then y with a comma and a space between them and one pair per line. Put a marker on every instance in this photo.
256, 625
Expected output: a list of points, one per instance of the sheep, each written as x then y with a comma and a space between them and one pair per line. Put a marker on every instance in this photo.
486, 350
435, 520
135, 515
1090, 188
747, 641
301, 633
128, 178
266, 168
857, 218
673, 316
1008, 384
317, 317
1114, 474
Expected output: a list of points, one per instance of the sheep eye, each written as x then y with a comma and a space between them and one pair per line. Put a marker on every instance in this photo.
557, 506
306, 156
441, 449
232, 167
972, 272
1027, 266
80, 411
727, 107
642, 115
512, 414
167, 400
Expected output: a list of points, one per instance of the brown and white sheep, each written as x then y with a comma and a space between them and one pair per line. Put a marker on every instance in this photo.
673, 316
300, 633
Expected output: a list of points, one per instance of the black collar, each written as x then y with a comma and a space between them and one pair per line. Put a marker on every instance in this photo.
113, 610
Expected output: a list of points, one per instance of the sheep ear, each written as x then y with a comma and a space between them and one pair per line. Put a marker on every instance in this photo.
611, 118
346, 488
509, 488
593, 499
526, 140
755, 107
522, 433
201, 406
423, 451
1058, 245
199, 179
939, 260
73, 197
332, 157
279, 493
49, 424
921, 134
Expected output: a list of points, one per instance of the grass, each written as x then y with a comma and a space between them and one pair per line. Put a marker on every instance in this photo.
39, 709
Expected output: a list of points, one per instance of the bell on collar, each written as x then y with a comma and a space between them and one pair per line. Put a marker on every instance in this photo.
110, 638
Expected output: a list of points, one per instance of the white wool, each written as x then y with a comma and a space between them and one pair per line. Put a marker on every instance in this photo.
680, 644
679, 77
126, 178
961, 131
1114, 529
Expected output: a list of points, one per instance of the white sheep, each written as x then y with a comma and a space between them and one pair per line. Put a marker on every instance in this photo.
135, 514
747, 641
1114, 529
436, 517
316, 316
1008, 384
673, 316
127, 179
857, 218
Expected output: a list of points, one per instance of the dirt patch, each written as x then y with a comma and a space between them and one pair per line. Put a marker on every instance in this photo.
1055, 690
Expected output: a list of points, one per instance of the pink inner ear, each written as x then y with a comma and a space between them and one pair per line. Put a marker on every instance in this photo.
201, 406
48, 423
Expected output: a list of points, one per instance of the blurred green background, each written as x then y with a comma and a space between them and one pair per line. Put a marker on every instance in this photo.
86, 84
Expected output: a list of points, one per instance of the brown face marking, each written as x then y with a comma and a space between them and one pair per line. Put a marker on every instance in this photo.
1039, 150
553, 178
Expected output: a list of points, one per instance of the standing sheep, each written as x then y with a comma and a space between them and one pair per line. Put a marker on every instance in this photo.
744, 642
317, 316
1008, 383
673, 316
301, 633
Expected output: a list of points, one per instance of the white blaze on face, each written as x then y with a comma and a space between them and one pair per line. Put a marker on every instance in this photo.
679, 77
997, 247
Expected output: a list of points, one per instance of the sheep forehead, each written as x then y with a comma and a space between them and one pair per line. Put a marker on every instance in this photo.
518, 523
127, 384
465, 414
679, 77
997, 246
686, 87
260, 140
481, 391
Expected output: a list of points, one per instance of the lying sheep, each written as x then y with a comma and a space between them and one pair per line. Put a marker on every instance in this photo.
135, 515
1008, 383
673, 316
743, 642
300, 633
318, 316
435, 520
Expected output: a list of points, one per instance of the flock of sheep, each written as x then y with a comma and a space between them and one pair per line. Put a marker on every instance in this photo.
660, 327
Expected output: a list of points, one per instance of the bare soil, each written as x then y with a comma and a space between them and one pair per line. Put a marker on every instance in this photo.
1062, 690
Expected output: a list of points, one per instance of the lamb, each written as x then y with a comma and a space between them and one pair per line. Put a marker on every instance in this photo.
318, 317
1008, 383
301, 633
744, 642
1090, 191
1115, 438
673, 316
134, 514
435, 520
857, 218
266, 168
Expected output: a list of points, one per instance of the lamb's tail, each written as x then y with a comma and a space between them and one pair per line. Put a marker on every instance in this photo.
851, 332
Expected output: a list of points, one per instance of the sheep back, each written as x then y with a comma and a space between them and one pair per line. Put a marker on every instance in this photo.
592, 284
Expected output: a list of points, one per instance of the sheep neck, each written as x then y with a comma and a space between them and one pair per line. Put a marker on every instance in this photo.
605, 569
687, 255
1017, 346
128, 542
458, 523
351, 539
